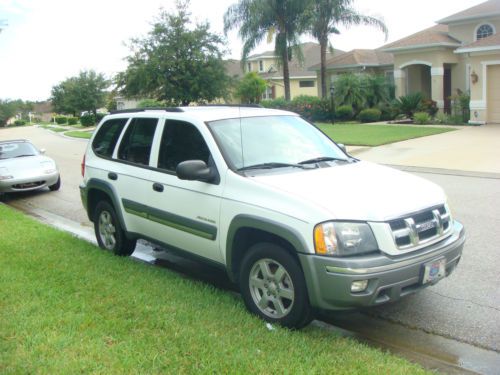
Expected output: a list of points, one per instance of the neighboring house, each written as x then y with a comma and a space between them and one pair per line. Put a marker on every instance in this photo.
459, 54
357, 61
126, 103
43, 110
302, 80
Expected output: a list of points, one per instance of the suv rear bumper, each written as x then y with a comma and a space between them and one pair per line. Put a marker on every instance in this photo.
329, 279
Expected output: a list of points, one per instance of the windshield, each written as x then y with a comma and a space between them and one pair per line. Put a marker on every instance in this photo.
273, 141
17, 150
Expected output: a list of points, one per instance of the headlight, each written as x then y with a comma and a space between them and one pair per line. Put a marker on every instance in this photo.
4, 174
48, 167
343, 239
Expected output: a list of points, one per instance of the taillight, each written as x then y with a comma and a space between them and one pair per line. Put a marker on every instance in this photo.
83, 166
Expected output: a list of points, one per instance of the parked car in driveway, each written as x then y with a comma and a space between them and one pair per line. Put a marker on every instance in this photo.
23, 167
295, 221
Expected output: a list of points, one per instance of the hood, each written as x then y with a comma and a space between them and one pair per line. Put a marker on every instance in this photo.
26, 166
358, 191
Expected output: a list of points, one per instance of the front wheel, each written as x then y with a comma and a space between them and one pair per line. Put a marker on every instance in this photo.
273, 286
108, 231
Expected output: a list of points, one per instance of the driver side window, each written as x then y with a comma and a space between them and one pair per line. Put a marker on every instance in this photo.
181, 141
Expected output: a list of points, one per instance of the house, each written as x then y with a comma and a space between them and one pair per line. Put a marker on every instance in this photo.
461, 53
302, 80
357, 61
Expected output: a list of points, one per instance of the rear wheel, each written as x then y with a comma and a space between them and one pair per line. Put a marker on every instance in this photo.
56, 186
273, 286
108, 231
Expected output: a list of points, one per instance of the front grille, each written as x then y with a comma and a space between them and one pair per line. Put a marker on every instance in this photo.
420, 228
28, 185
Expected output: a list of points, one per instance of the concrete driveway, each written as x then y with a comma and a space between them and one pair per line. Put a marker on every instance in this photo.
470, 148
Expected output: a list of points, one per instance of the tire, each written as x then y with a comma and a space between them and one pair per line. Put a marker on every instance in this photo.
273, 287
56, 186
109, 233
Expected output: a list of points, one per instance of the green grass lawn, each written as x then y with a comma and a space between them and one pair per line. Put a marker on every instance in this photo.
68, 307
79, 134
376, 135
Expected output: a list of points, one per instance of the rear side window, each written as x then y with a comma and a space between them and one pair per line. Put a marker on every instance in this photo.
137, 141
105, 140
181, 141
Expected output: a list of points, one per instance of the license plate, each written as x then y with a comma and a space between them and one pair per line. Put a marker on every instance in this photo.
434, 271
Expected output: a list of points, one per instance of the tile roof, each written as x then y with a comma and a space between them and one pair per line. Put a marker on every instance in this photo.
358, 57
311, 53
486, 9
433, 36
489, 43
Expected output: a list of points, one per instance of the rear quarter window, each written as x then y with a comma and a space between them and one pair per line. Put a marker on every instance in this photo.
105, 140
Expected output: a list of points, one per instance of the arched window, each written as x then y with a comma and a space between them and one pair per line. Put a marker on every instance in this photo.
484, 31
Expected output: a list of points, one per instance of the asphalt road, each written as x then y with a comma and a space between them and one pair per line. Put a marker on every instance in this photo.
464, 307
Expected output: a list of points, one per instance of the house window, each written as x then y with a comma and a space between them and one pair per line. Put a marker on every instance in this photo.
268, 94
484, 31
249, 67
261, 66
306, 83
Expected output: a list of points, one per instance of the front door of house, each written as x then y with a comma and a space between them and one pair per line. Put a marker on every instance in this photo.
447, 90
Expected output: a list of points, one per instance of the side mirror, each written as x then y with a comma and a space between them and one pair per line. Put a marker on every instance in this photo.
342, 147
42, 151
196, 170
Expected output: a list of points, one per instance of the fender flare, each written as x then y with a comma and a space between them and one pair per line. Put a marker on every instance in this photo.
278, 229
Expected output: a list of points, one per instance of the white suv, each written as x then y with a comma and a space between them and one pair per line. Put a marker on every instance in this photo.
295, 221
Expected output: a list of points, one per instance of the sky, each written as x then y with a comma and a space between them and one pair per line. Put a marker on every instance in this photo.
48, 41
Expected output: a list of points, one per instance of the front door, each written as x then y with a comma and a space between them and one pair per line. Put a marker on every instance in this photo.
184, 214
447, 90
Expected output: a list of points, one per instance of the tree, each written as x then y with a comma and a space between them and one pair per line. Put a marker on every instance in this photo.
175, 63
251, 87
8, 109
256, 19
324, 18
84, 93
350, 91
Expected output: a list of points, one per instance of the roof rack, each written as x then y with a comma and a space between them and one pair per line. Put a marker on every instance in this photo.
135, 110
231, 105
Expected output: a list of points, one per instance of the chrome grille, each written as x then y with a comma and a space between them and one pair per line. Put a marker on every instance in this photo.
420, 228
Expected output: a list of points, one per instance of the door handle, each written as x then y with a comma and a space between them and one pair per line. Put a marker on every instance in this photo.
112, 176
157, 187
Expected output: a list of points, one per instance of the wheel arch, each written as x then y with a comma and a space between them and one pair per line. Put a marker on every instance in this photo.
97, 191
247, 230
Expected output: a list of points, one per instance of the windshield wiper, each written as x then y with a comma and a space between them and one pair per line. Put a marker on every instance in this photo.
322, 158
273, 165
22, 156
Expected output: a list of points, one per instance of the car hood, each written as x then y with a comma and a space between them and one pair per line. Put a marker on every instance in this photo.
358, 191
25, 166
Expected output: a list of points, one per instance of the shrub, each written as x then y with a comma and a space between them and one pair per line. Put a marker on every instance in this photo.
150, 103
61, 120
19, 122
72, 120
421, 118
388, 111
309, 107
99, 117
442, 118
87, 120
369, 115
429, 106
344, 112
409, 104
278, 103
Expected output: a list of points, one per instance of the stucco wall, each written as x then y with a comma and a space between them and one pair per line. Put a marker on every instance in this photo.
295, 89
466, 33
479, 65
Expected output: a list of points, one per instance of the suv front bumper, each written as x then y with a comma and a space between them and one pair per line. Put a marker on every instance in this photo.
389, 278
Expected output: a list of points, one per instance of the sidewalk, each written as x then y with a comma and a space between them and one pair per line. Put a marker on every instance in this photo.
474, 149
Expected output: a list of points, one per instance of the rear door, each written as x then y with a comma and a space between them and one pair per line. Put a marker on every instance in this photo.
131, 171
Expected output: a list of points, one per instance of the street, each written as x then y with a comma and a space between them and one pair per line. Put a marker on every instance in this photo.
464, 307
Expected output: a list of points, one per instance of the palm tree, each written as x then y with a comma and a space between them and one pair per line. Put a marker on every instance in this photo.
257, 19
326, 16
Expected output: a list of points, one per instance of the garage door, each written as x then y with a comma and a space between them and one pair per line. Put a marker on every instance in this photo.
494, 94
